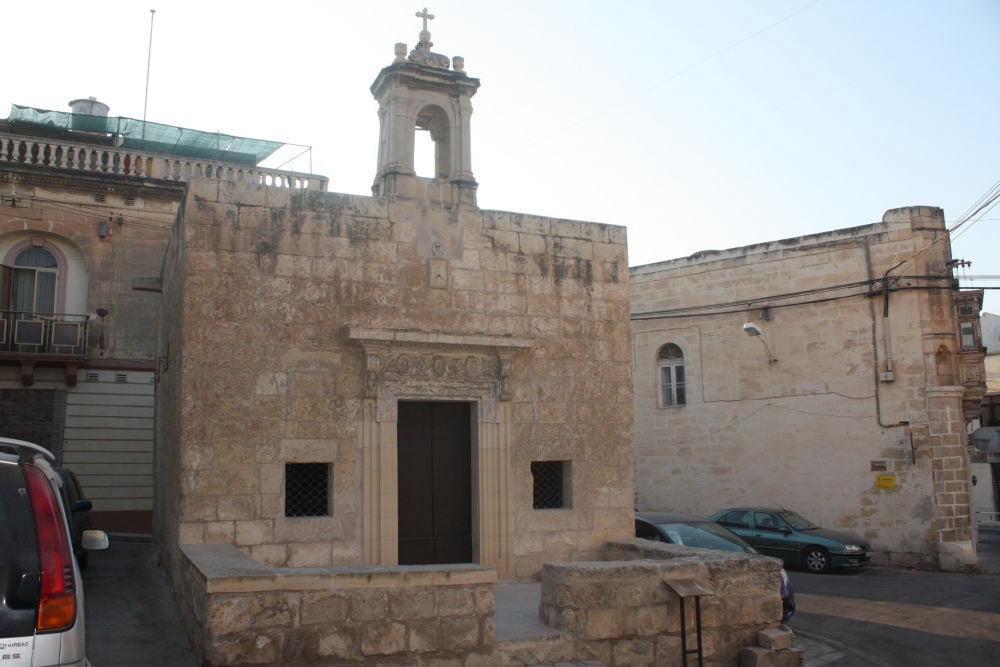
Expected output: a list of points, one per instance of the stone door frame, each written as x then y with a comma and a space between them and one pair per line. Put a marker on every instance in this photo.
417, 365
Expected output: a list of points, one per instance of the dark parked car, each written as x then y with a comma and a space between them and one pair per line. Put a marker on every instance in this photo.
704, 534
797, 541
41, 593
79, 508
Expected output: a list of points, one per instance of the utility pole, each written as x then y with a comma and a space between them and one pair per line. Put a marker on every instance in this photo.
149, 60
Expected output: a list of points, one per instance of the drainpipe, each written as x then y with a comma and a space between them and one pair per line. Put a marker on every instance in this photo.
887, 345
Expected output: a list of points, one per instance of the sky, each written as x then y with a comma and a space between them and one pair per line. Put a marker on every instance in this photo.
697, 125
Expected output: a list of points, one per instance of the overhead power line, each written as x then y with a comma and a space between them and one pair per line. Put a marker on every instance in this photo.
729, 48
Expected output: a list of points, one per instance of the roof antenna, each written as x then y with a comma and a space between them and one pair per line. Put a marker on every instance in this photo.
149, 60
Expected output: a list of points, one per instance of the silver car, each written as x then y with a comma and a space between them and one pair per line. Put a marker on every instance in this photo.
693, 531
41, 593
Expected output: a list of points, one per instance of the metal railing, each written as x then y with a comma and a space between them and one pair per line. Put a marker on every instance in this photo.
43, 333
88, 158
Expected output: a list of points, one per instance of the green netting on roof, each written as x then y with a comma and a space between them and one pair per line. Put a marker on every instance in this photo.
141, 135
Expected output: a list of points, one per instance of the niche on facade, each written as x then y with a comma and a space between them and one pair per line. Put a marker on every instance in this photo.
944, 369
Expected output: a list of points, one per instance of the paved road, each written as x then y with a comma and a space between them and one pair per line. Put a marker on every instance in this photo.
881, 616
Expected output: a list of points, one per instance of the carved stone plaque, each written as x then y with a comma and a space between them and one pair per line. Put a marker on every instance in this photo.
437, 272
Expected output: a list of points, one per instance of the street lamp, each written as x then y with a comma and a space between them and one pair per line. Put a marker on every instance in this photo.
754, 331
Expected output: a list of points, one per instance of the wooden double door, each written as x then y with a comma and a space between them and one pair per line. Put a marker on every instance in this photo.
434, 455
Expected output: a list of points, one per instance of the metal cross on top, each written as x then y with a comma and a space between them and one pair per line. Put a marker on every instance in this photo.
425, 16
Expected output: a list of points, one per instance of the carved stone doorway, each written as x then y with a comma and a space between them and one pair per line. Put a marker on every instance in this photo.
412, 366
434, 445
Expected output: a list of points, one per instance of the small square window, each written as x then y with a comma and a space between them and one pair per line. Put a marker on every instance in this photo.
550, 484
307, 489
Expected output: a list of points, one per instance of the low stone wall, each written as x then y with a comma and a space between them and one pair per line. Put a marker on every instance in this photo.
619, 611
623, 613
239, 612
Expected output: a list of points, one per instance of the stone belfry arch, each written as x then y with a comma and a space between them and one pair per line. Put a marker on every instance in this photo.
426, 91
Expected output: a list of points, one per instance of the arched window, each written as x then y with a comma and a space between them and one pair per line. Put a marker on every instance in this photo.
33, 281
671, 364
435, 121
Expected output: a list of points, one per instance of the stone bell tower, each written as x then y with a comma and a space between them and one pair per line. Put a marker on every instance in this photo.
425, 91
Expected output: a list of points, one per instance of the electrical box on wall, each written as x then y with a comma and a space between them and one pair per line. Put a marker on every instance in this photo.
886, 376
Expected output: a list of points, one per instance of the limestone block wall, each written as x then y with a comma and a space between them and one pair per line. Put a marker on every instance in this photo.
170, 406
240, 612
849, 415
265, 292
622, 612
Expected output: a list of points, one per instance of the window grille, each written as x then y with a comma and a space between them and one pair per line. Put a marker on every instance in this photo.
548, 484
307, 489
121, 378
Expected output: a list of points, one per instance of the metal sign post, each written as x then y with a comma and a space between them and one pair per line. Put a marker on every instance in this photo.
697, 589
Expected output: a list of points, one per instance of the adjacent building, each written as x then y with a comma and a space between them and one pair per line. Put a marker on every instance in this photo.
986, 464
87, 202
834, 374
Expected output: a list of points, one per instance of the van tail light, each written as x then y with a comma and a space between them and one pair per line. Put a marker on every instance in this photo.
57, 606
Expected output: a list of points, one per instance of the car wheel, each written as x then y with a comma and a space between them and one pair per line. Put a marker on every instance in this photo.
816, 559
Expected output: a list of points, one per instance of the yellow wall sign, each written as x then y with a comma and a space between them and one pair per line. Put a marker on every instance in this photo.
885, 481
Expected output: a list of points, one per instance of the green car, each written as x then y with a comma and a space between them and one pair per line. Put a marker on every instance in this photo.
786, 535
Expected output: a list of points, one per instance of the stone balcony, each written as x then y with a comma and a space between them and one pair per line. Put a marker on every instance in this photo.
29, 339
105, 160
972, 369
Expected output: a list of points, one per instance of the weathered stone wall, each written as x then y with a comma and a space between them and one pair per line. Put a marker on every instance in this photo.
815, 429
240, 612
169, 406
264, 371
622, 611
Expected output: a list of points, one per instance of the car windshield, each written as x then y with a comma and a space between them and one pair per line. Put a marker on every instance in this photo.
797, 522
705, 535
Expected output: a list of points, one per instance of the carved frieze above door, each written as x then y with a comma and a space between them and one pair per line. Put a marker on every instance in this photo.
407, 362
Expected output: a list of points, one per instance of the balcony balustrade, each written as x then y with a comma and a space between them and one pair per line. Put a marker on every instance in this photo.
50, 339
88, 158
